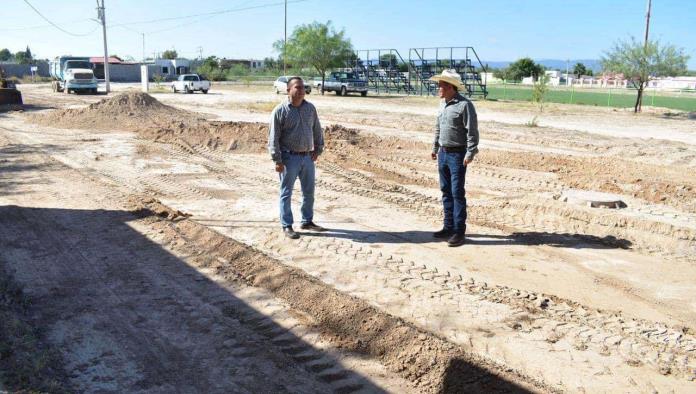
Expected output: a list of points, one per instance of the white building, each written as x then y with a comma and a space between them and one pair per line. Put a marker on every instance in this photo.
169, 69
675, 83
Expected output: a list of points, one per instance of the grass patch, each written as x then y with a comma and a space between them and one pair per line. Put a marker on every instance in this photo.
532, 123
27, 364
262, 106
617, 98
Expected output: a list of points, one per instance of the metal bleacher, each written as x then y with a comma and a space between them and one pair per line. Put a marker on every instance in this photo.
427, 62
386, 71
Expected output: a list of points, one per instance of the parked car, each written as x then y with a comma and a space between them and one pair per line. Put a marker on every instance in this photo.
281, 85
189, 83
343, 83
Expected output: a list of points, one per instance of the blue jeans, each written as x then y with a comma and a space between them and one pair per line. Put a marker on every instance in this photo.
296, 166
452, 175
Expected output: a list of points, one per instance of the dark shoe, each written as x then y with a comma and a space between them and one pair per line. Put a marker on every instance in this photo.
290, 233
456, 240
443, 234
312, 227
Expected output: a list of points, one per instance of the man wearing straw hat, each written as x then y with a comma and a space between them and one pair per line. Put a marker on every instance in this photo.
454, 148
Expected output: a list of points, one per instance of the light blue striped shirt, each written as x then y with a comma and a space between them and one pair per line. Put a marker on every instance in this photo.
294, 129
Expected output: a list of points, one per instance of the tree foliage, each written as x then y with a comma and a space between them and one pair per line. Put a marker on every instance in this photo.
579, 69
211, 69
170, 54
639, 62
388, 60
24, 57
539, 91
524, 67
317, 45
5, 55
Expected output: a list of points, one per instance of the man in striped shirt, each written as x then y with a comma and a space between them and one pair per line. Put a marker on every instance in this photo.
295, 141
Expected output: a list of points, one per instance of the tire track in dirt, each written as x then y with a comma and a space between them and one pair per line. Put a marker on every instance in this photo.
231, 260
666, 350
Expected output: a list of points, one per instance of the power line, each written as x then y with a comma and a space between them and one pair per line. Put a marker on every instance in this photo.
211, 14
42, 26
56, 26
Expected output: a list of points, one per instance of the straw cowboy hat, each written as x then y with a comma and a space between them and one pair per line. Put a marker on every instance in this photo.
451, 77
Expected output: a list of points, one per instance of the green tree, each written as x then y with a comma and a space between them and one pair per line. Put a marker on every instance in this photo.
5, 55
211, 69
170, 54
272, 64
580, 69
539, 91
524, 67
317, 45
640, 61
388, 60
22, 58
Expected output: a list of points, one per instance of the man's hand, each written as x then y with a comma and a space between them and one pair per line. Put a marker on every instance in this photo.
433, 156
280, 167
467, 161
314, 156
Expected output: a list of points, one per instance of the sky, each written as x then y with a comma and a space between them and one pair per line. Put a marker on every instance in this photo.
499, 30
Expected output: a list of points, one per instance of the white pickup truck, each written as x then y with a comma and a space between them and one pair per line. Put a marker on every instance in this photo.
189, 83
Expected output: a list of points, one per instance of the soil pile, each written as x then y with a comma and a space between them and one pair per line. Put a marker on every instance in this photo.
126, 111
228, 136
145, 115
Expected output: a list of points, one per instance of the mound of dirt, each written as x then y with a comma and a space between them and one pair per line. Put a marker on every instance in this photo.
131, 111
337, 132
228, 136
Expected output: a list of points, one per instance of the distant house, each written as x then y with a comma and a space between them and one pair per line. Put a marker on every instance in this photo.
169, 69
250, 63
673, 83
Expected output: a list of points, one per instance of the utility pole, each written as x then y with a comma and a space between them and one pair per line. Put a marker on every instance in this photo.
285, 41
567, 70
102, 17
647, 22
200, 53
143, 47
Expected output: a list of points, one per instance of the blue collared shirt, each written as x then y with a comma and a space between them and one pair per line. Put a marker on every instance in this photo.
294, 129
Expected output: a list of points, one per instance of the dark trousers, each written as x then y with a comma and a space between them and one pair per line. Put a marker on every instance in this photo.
452, 171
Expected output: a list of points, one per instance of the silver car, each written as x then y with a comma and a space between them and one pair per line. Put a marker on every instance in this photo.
281, 85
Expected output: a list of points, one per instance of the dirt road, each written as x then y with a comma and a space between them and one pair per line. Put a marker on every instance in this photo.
547, 295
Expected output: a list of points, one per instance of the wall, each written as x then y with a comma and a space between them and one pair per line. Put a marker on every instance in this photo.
20, 70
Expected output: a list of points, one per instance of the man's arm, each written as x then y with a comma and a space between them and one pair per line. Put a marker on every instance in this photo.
318, 134
274, 131
436, 142
472, 135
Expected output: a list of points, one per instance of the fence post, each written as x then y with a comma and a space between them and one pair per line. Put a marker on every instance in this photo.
609, 99
652, 101
504, 90
572, 92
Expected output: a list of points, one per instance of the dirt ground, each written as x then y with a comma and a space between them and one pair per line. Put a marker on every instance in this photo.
141, 250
